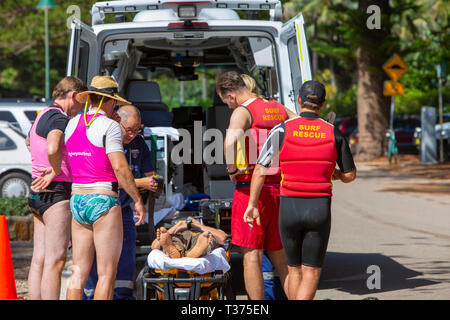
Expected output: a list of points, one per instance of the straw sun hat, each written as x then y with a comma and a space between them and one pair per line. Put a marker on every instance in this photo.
103, 86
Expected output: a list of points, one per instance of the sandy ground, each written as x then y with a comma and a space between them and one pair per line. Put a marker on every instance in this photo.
413, 178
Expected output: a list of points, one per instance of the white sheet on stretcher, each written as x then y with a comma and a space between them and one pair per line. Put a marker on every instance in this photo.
216, 260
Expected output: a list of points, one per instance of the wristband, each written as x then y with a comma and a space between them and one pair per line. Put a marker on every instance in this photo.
234, 172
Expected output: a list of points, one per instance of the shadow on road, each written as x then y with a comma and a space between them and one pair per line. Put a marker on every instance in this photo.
348, 272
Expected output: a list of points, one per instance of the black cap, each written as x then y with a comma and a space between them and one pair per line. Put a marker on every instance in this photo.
312, 87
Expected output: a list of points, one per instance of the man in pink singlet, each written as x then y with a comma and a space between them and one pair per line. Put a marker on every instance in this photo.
50, 190
96, 157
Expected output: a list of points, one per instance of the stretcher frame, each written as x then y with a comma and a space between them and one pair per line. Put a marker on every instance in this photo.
210, 286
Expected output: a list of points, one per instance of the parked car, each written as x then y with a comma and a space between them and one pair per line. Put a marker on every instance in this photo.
404, 128
15, 162
353, 141
347, 125
443, 131
21, 112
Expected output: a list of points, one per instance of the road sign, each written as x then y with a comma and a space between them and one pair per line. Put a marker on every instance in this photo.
395, 67
394, 88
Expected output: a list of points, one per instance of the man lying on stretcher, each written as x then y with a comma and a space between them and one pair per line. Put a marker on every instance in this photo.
188, 238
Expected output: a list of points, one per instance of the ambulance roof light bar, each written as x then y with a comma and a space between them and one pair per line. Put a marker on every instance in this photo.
99, 9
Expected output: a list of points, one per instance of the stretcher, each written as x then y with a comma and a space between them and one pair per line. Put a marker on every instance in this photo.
180, 284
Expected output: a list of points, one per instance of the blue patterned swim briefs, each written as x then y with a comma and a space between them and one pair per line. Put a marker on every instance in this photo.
87, 208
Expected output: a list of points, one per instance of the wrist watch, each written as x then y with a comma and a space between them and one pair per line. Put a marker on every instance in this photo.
234, 172
189, 223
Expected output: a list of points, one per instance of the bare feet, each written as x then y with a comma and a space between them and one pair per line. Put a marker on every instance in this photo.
163, 236
165, 240
202, 243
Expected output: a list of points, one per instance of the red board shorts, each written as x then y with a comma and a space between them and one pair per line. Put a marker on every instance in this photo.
264, 236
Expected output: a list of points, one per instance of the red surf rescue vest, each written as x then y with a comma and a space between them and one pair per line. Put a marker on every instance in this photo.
307, 158
265, 116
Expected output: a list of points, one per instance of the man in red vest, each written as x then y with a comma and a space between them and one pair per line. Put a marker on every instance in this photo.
250, 122
308, 149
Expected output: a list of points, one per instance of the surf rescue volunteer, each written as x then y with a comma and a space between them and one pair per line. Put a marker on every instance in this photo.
308, 149
251, 120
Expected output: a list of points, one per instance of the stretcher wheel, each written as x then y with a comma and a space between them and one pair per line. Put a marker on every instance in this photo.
139, 285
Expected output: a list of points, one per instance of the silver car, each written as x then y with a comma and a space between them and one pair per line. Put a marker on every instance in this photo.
15, 162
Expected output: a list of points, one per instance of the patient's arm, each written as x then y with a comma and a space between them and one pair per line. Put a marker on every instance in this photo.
178, 227
218, 234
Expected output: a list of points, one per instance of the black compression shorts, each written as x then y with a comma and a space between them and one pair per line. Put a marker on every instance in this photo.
39, 202
305, 229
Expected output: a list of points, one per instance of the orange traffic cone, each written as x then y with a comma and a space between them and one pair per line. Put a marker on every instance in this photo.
7, 281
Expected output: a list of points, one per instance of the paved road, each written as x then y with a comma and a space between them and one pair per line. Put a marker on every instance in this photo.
407, 235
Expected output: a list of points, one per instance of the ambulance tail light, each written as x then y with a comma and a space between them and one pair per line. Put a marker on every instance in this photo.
188, 23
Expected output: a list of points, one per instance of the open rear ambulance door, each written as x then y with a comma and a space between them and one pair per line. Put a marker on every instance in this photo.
295, 63
82, 59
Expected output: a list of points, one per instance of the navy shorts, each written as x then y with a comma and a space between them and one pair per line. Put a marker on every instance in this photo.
39, 202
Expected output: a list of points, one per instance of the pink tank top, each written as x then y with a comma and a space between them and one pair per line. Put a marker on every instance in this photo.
88, 162
38, 150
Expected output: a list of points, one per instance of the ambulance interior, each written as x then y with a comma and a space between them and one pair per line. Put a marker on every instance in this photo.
157, 73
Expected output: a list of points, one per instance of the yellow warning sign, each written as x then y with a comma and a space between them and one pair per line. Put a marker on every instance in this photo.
394, 88
395, 67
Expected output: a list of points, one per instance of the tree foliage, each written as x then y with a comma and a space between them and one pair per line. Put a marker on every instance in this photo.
14, 206
419, 33
22, 50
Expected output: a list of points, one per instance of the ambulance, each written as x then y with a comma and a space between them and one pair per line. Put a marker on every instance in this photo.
156, 49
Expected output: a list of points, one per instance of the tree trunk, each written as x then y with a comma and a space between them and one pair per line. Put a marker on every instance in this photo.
372, 108
372, 105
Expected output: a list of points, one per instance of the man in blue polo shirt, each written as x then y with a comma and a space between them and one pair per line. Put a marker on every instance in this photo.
138, 156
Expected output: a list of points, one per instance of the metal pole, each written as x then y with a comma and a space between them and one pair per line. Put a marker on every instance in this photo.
391, 130
441, 122
391, 120
47, 58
